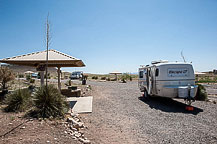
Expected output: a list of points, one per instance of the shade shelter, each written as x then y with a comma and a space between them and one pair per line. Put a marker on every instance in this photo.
199, 73
116, 73
28, 72
38, 60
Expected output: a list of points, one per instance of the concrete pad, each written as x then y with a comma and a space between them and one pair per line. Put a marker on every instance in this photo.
80, 104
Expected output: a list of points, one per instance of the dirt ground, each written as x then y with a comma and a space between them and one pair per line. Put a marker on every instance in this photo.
31, 131
121, 115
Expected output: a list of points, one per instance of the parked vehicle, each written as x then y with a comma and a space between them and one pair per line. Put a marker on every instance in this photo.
76, 75
35, 75
168, 79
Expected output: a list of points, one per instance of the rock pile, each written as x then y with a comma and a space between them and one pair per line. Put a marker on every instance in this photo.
74, 128
86, 90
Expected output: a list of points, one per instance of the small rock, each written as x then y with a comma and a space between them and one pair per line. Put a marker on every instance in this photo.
65, 132
85, 141
78, 125
51, 117
70, 119
23, 127
74, 115
77, 135
20, 138
72, 134
55, 138
77, 119
48, 141
72, 128
214, 102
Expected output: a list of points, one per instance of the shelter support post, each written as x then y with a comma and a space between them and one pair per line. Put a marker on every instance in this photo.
42, 77
59, 83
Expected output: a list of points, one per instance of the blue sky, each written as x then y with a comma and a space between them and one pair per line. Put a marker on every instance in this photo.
113, 35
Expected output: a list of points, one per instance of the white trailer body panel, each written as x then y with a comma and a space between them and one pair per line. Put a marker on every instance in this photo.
168, 80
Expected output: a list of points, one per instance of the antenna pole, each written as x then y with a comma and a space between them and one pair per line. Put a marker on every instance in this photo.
183, 57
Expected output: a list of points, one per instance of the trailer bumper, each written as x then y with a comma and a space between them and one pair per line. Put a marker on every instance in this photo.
184, 92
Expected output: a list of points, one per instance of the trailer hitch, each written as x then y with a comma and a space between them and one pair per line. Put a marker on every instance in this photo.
189, 100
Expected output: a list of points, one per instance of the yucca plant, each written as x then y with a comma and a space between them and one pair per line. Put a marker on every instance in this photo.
18, 101
49, 102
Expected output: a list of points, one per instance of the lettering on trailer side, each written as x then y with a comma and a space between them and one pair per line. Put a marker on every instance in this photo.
178, 72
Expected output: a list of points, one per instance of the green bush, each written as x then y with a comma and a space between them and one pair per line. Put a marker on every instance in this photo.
20, 76
126, 76
49, 102
103, 78
32, 80
201, 93
28, 77
18, 101
95, 77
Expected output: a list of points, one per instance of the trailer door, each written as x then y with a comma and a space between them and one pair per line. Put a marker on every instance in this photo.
148, 78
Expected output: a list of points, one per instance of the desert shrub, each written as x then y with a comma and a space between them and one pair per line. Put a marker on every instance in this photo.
18, 101
6, 75
48, 76
108, 79
126, 76
113, 79
201, 93
123, 80
49, 102
68, 83
32, 81
95, 77
28, 77
20, 76
103, 78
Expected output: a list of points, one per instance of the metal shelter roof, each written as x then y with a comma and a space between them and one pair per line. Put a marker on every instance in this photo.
55, 59
115, 72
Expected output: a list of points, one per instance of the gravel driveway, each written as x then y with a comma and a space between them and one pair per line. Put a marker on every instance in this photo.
120, 115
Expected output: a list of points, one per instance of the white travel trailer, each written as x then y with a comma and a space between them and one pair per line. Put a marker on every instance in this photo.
168, 79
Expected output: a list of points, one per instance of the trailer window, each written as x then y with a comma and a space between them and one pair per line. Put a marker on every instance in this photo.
157, 72
141, 74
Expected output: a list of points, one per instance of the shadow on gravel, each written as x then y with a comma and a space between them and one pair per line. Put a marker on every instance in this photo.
169, 105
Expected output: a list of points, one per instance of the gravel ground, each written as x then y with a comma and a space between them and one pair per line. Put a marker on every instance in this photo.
211, 89
121, 115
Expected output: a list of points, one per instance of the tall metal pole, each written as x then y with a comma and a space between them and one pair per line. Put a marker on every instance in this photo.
47, 44
59, 83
